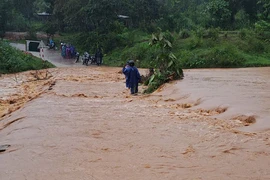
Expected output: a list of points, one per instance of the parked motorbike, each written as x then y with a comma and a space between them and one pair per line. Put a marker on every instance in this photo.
92, 60
52, 46
86, 58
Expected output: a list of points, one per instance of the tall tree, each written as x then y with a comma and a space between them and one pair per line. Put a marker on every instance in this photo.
4, 7
251, 8
25, 7
233, 6
265, 8
219, 12
102, 13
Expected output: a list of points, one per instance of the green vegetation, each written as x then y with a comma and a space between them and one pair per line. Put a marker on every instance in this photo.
213, 48
13, 61
166, 65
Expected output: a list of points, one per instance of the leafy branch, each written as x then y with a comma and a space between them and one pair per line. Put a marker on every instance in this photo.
166, 64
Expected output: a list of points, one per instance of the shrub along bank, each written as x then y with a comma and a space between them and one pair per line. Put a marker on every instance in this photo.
198, 49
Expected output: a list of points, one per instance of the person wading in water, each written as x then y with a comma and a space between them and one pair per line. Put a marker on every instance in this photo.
133, 77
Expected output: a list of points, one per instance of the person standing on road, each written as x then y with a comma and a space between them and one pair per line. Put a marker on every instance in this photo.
99, 56
133, 77
64, 50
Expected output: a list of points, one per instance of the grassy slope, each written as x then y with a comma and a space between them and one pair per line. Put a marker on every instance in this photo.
193, 52
12, 60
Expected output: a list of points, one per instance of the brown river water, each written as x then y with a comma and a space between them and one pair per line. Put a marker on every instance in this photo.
77, 122
243, 93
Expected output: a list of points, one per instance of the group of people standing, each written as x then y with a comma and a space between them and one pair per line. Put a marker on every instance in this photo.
132, 76
68, 51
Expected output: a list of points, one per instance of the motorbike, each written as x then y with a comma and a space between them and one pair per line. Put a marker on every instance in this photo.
85, 58
52, 46
90, 59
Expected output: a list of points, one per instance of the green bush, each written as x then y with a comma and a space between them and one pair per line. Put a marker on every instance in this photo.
264, 36
166, 64
199, 32
17, 22
243, 34
184, 34
194, 42
242, 20
169, 36
140, 52
212, 33
38, 26
188, 59
252, 45
262, 26
224, 56
156, 81
220, 56
255, 45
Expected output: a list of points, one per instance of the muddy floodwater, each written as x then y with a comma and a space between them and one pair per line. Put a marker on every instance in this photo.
81, 123
242, 93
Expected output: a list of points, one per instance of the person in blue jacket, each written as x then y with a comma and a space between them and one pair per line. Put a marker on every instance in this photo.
133, 77
63, 50
125, 72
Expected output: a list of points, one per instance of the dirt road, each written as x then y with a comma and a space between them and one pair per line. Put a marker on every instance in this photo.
81, 123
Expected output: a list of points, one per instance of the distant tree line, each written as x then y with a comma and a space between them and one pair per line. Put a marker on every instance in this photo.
88, 15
